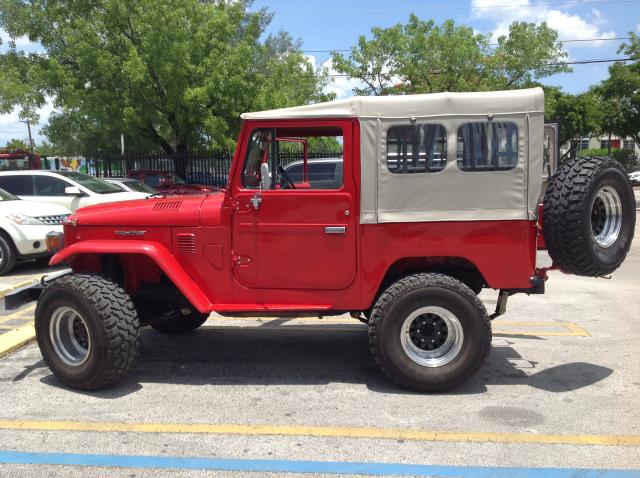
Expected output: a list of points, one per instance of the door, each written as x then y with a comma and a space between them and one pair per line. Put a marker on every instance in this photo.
50, 189
295, 233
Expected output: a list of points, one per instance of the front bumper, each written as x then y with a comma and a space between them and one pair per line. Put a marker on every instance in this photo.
30, 240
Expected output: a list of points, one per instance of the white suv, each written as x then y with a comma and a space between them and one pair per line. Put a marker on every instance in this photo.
23, 228
66, 188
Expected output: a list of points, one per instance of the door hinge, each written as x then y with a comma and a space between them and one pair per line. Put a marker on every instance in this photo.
241, 260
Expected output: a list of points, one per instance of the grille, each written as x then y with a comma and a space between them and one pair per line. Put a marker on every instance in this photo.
52, 220
186, 243
167, 206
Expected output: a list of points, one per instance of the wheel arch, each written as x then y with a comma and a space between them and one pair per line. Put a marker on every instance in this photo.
129, 262
459, 268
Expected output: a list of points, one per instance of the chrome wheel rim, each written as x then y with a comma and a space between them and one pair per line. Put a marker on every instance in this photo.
606, 217
70, 336
431, 336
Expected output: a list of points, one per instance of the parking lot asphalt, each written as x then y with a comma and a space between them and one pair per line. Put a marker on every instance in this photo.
267, 397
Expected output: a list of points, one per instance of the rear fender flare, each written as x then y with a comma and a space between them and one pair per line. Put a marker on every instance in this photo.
163, 258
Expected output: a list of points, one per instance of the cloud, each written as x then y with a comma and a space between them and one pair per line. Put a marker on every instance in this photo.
22, 43
12, 127
568, 25
341, 86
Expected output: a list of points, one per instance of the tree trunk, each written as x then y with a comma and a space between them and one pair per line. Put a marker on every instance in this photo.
609, 145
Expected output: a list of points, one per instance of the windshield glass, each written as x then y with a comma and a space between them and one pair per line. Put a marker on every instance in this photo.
6, 196
139, 187
176, 179
93, 184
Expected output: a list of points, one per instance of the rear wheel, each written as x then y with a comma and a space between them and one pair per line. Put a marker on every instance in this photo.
87, 330
429, 332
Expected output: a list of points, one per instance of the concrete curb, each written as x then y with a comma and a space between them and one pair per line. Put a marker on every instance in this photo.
19, 285
16, 339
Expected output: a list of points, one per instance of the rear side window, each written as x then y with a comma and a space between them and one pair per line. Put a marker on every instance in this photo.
416, 149
487, 146
17, 185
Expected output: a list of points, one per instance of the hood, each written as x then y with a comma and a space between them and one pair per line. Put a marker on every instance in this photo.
123, 196
33, 208
154, 211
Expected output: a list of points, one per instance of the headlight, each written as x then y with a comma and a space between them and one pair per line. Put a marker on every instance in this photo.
23, 219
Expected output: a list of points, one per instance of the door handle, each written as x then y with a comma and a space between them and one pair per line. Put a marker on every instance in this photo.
335, 230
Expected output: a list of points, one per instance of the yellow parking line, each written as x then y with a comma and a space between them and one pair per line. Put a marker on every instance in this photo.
320, 431
13, 287
14, 339
574, 330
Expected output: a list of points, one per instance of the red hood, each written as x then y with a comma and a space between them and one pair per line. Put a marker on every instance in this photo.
155, 211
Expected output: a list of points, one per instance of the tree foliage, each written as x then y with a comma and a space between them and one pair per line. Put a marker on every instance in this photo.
620, 93
15, 143
174, 74
423, 57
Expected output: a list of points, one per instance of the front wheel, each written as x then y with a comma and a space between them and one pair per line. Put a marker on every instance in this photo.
429, 332
87, 330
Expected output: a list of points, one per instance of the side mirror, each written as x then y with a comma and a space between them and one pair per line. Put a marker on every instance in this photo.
265, 176
73, 191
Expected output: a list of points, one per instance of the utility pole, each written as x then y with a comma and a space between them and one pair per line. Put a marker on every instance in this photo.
29, 129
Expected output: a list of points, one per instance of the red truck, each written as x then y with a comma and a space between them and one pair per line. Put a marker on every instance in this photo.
18, 159
436, 197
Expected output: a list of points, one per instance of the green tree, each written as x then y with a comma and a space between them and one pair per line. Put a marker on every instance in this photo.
15, 143
621, 93
423, 57
579, 117
174, 74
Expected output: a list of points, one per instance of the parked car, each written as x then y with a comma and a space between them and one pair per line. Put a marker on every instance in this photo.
404, 242
635, 178
66, 188
130, 184
169, 183
24, 226
323, 173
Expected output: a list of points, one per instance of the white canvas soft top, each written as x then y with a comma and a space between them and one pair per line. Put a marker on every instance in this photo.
450, 194
406, 106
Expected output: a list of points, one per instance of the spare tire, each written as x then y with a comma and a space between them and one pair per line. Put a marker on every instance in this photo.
589, 216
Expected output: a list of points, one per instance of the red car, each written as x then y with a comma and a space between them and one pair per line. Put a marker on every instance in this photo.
168, 183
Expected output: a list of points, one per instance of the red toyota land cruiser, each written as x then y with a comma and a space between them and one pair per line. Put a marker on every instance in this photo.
435, 197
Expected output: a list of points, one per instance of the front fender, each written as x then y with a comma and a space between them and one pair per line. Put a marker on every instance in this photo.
155, 251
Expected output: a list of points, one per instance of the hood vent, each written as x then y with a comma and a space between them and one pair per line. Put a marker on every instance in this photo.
186, 243
167, 206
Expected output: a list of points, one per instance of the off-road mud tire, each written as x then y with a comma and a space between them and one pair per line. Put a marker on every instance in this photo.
409, 294
177, 321
567, 220
9, 256
111, 322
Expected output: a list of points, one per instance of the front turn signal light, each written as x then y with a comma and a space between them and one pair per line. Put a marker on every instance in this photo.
54, 241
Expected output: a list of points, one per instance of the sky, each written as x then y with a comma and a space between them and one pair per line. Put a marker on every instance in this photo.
336, 24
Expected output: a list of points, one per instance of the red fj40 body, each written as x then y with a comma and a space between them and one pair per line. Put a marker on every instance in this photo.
432, 199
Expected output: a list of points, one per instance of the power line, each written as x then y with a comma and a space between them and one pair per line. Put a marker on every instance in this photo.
466, 7
493, 44
576, 62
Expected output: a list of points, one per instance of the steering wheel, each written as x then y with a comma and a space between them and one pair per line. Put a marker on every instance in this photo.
286, 177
